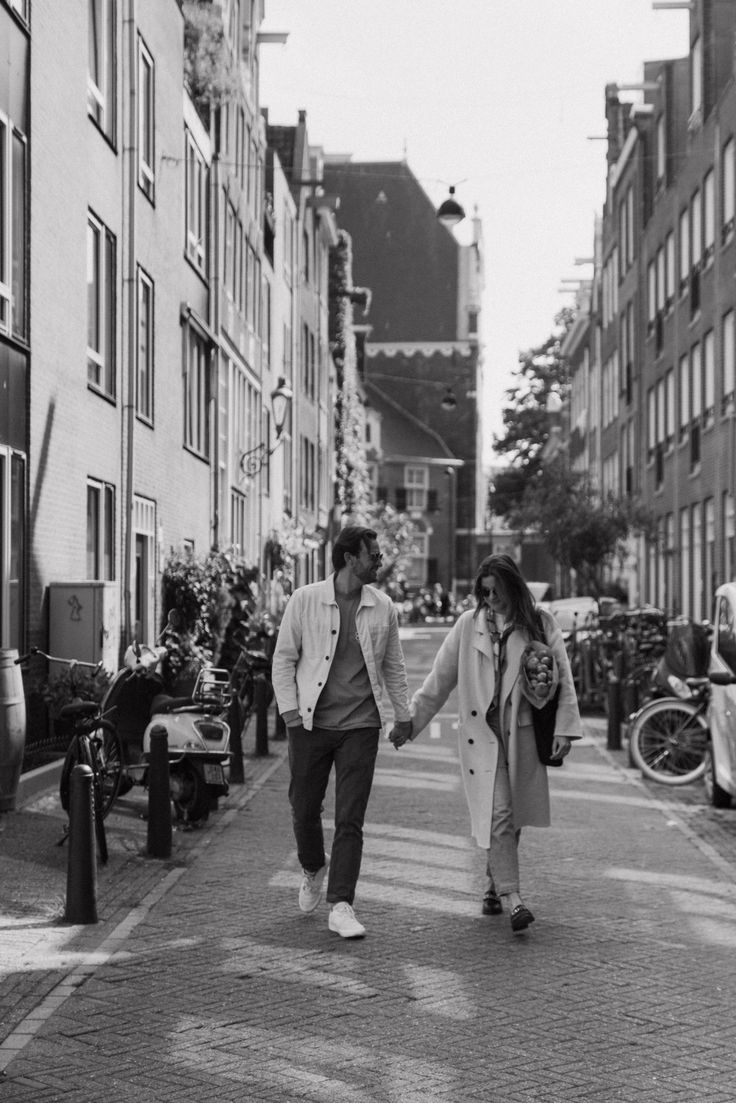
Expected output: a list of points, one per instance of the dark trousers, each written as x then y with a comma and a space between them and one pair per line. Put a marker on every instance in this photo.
311, 757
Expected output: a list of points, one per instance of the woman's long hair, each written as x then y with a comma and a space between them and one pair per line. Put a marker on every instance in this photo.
523, 612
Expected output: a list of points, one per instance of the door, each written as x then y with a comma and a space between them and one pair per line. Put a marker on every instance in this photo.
12, 548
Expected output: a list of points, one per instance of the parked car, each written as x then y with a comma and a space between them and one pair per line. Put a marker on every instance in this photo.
542, 593
720, 756
573, 612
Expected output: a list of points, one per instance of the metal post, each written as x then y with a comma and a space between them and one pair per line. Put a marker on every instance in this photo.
615, 713
81, 876
260, 699
235, 720
159, 795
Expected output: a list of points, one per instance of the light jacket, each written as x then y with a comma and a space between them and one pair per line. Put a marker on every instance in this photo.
465, 661
305, 649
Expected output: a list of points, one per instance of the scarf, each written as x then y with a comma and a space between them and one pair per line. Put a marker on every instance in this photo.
498, 642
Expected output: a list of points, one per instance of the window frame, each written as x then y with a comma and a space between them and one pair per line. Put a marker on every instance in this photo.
101, 101
101, 360
144, 374
195, 204
146, 121
104, 533
197, 386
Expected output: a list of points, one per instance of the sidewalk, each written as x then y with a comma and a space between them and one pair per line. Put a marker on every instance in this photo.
203, 981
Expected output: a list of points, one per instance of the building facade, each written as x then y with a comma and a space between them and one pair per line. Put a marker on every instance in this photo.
422, 353
652, 347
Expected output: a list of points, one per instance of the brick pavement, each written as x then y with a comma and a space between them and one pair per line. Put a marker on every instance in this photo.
205, 981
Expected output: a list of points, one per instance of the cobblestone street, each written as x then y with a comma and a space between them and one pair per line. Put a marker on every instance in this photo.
204, 981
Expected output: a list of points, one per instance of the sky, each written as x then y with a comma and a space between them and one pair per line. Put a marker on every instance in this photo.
497, 97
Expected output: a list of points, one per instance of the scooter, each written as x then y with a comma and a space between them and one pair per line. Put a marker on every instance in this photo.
198, 736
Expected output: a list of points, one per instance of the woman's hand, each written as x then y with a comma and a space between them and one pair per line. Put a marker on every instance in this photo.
561, 746
401, 732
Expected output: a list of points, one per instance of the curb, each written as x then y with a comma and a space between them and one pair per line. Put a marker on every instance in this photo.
35, 782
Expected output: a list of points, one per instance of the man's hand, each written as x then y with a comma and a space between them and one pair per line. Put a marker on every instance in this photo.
401, 731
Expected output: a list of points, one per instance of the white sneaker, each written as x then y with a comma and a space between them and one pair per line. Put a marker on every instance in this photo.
343, 922
310, 890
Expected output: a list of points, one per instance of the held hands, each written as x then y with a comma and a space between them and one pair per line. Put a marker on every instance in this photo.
561, 746
401, 731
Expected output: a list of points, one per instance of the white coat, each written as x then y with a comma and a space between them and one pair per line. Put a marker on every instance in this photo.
465, 660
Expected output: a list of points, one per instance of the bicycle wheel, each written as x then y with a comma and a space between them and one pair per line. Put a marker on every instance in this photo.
107, 749
668, 740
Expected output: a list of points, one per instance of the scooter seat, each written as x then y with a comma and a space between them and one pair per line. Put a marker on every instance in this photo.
165, 704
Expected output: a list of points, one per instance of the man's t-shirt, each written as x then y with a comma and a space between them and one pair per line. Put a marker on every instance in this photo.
347, 699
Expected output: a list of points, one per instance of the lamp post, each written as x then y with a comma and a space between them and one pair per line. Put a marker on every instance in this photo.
255, 459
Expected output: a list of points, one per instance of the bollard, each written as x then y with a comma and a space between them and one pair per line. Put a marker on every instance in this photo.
260, 699
235, 721
615, 713
159, 795
81, 875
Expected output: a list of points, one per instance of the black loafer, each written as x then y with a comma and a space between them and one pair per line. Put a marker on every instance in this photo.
492, 904
521, 917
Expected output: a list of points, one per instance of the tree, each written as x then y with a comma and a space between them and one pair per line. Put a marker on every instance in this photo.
542, 371
582, 531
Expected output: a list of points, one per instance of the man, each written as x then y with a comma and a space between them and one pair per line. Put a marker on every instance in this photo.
337, 650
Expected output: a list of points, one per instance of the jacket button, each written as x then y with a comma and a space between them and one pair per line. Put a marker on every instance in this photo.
471, 771
473, 712
334, 631
471, 741
319, 683
309, 710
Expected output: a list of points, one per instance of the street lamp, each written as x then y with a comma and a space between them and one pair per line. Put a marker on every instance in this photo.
450, 212
255, 459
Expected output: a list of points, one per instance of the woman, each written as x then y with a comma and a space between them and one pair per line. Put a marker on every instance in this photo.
505, 783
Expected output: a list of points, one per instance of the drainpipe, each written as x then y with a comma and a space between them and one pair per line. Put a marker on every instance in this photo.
129, 299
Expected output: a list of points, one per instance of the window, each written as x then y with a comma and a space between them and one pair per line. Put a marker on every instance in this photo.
729, 364
415, 480
144, 353
696, 228
661, 280
196, 393
144, 580
13, 220
696, 77
12, 547
100, 530
309, 473
196, 204
684, 396
100, 307
146, 121
670, 408
709, 378
684, 249
709, 216
651, 293
728, 184
661, 151
101, 64
670, 270
729, 535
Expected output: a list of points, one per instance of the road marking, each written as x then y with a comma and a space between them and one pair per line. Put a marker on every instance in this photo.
435, 730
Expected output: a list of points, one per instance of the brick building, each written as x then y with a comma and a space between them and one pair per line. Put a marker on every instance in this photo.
423, 350
652, 349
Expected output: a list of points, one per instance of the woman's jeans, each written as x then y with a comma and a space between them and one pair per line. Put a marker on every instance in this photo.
311, 757
503, 858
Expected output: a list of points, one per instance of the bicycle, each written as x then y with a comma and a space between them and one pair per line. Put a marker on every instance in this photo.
668, 736
95, 743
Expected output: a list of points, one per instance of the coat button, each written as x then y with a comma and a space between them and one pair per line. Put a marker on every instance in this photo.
319, 683
334, 631
473, 712
327, 658
471, 741
471, 771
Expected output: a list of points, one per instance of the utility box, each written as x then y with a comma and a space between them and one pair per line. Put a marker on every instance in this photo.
84, 622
